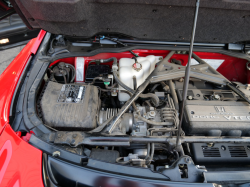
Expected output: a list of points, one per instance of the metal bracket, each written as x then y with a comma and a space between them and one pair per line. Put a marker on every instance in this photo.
184, 170
168, 71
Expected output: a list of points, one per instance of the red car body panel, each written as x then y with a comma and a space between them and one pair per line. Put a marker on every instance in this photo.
20, 163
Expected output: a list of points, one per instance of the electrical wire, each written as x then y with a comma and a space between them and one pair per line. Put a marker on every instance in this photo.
119, 42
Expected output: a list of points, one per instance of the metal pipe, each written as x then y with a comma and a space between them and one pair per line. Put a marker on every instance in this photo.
139, 90
171, 140
174, 95
171, 43
187, 72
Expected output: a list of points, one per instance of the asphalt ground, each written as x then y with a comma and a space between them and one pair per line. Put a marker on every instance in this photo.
6, 57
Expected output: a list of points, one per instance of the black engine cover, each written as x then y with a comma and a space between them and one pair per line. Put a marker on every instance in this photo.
220, 153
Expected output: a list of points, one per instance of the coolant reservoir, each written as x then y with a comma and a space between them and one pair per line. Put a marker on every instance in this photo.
141, 70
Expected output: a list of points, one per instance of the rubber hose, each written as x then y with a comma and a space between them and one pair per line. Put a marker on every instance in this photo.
152, 153
135, 82
73, 70
105, 60
153, 96
155, 122
119, 42
110, 87
173, 93
64, 77
121, 162
96, 78
121, 83
154, 87
148, 149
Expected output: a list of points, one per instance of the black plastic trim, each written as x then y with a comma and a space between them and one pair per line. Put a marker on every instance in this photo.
71, 175
49, 149
48, 180
125, 170
153, 47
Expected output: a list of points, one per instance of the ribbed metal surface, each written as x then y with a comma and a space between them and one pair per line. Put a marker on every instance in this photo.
211, 151
237, 151
111, 112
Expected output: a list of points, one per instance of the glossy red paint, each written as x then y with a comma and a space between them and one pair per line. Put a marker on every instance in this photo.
38, 41
9, 79
232, 68
20, 163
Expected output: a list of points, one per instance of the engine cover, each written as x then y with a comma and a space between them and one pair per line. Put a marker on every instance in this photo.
216, 118
70, 106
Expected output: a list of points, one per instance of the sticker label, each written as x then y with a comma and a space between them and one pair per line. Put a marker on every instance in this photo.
214, 63
79, 69
71, 94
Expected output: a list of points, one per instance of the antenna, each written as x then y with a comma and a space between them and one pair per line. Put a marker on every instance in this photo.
187, 73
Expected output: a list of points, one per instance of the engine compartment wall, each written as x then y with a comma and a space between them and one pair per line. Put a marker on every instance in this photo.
234, 69
218, 22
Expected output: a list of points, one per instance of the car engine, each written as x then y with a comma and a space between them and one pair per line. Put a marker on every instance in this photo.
89, 99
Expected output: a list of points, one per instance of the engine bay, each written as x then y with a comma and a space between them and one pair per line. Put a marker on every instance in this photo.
102, 108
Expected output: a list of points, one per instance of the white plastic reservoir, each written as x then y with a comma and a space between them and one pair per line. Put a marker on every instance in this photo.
127, 71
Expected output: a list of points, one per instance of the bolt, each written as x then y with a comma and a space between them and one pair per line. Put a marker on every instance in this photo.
56, 154
190, 97
181, 165
223, 148
187, 160
59, 135
166, 166
181, 80
217, 97
73, 142
210, 144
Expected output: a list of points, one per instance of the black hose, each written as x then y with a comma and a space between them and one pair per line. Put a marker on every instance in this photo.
135, 82
154, 98
119, 42
121, 83
177, 155
110, 87
96, 78
65, 80
100, 61
73, 71
154, 87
